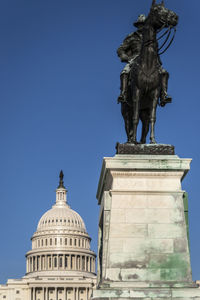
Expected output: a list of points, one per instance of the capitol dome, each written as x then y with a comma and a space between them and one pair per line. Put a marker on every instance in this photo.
61, 216
61, 244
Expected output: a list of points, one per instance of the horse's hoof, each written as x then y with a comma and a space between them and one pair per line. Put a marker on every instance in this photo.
153, 142
142, 142
134, 142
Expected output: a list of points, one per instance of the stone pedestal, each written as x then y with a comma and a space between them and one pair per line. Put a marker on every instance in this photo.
143, 245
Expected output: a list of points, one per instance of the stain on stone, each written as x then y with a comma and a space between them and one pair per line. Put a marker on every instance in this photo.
133, 276
131, 265
120, 276
118, 292
172, 267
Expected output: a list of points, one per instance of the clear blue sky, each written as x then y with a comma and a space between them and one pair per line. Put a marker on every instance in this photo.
59, 78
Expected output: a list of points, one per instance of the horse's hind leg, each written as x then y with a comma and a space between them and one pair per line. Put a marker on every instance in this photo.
144, 117
135, 120
153, 118
126, 113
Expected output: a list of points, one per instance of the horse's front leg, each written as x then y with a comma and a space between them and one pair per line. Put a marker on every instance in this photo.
135, 121
126, 113
153, 117
144, 117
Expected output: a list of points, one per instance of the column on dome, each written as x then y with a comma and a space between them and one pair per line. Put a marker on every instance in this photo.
93, 265
63, 261
30, 294
74, 294
47, 293
27, 265
70, 261
90, 264
65, 293
46, 262
44, 293
77, 293
41, 257
34, 293
76, 262
51, 268
56, 291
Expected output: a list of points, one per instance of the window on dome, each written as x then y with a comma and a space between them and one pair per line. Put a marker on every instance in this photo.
51, 242
46, 242
68, 220
49, 262
70, 242
66, 241
46, 222
42, 242
79, 243
55, 241
56, 220
60, 220
60, 262
75, 222
75, 242
38, 243
53, 221
65, 220
49, 221
17, 292
55, 262
60, 241
66, 260
83, 263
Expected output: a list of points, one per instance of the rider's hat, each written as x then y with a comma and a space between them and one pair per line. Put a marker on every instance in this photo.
141, 19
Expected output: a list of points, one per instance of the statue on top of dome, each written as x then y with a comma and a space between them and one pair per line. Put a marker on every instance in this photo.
61, 182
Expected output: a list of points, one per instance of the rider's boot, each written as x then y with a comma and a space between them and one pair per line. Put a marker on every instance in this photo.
164, 97
123, 88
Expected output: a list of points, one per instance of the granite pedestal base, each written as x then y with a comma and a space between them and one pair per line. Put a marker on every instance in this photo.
143, 250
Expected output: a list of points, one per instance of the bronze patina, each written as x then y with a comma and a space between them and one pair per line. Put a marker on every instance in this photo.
144, 82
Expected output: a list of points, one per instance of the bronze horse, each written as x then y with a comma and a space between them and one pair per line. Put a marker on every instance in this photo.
145, 76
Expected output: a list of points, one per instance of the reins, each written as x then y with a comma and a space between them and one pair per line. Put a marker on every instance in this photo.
167, 40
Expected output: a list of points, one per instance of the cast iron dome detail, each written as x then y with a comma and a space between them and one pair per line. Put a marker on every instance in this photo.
61, 243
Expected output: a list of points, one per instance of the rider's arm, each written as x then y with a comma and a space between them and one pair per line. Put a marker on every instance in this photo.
122, 54
124, 47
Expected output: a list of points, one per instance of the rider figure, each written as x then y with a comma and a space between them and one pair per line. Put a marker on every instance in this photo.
128, 51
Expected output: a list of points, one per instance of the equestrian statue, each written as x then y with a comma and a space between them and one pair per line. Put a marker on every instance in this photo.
144, 82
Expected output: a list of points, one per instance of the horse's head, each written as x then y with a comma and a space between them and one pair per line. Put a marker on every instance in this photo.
161, 16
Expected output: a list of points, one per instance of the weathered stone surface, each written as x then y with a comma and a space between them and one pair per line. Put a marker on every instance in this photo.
144, 230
